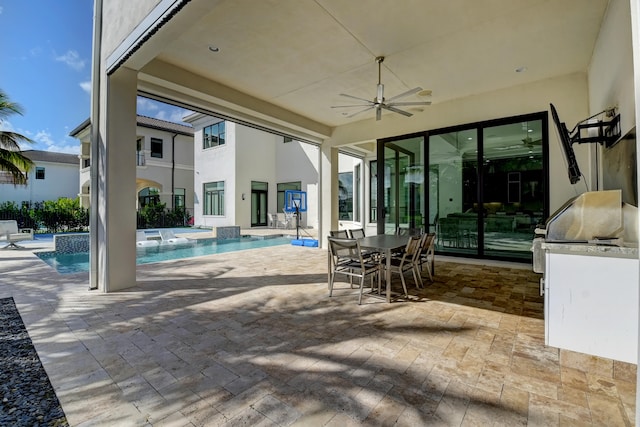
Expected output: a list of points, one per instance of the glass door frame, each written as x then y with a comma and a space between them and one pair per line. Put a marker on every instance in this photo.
480, 127
261, 211
380, 148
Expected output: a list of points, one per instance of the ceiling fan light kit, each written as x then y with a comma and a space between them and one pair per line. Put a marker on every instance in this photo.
379, 103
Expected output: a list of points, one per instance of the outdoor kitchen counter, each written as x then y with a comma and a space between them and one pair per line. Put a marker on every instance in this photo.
591, 249
591, 299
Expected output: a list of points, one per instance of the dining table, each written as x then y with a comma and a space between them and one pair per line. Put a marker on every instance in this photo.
386, 244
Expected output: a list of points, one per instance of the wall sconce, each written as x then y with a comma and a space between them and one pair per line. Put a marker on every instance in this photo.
242, 196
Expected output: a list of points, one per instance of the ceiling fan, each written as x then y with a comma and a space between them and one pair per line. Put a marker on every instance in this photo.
379, 102
530, 142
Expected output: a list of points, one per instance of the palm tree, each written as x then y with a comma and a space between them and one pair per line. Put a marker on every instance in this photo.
11, 158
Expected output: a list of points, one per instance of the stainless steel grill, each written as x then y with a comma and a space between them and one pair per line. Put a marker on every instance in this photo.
595, 217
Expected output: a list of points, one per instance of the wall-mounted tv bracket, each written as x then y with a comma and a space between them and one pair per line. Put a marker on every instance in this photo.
604, 132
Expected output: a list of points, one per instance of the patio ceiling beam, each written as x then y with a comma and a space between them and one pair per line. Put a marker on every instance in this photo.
162, 76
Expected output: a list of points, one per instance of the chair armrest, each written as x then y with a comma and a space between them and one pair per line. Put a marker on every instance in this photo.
26, 230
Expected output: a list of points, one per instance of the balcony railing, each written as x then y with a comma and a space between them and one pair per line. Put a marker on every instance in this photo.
140, 160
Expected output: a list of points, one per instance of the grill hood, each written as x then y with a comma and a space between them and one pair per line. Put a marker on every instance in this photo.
595, 217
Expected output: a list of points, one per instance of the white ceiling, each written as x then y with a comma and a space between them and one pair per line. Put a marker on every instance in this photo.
301, 54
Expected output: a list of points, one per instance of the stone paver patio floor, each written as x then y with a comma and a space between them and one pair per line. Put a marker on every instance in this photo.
252, 338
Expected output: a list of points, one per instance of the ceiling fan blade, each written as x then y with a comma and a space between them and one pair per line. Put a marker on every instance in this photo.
361, 111
378, 112
396, 110
409, 103
407, 93
355, 97
352, 105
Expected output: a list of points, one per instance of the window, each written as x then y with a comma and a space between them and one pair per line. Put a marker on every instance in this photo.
356, 193
282, 187
178, 198
345, 195
39, 173
156, 148
213, 198
373, 191
213, 135
149, 196
86, 163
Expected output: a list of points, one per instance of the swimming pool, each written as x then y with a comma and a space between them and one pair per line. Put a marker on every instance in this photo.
67, 263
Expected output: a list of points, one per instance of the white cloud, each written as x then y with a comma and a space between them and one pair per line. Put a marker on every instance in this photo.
46, 142
145, 106
172, 114
86, 86
72, 59
161, 111
43, 140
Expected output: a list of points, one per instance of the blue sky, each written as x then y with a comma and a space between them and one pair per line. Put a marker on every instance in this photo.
45, 66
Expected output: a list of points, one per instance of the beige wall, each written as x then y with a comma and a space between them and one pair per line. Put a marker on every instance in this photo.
118, 24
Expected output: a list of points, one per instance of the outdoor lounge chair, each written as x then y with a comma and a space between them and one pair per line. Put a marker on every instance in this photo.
169, 238
142, 241
10, 232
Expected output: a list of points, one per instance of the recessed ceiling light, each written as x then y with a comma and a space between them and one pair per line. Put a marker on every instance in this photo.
521, 69
214, 48
530, 130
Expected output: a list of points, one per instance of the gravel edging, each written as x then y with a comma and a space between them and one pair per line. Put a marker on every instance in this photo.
28, 399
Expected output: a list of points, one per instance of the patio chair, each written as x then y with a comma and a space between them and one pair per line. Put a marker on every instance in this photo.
356, 233
10, 233
342, 234
281, 220
143, 242
408, 261
272, 221
427, 254
169, 238
345, 257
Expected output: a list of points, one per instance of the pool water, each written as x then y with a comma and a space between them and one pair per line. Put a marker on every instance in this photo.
67, 263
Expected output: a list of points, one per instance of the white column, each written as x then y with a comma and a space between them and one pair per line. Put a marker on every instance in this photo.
635, 42
329, 191
114, 229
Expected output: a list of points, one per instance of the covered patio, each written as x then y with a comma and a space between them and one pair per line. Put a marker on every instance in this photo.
252, 338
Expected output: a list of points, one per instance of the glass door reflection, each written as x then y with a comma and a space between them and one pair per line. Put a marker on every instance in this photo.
453, 191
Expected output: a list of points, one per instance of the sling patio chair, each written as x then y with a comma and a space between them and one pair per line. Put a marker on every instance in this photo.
408, 261
345, 257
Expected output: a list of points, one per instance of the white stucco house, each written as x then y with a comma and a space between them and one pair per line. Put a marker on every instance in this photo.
163, 153
241, 174
53, 175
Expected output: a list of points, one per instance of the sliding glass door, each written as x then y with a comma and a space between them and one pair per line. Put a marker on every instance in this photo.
482, 191
403, 185
512, 187
453, 191
487, 187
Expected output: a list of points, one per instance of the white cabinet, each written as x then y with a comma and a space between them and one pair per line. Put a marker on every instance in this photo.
591, 300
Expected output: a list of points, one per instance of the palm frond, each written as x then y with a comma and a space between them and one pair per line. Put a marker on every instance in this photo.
11, 140
7, 107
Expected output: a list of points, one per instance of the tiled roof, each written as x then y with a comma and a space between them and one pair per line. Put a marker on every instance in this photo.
50, 156
164, 125
148, 122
